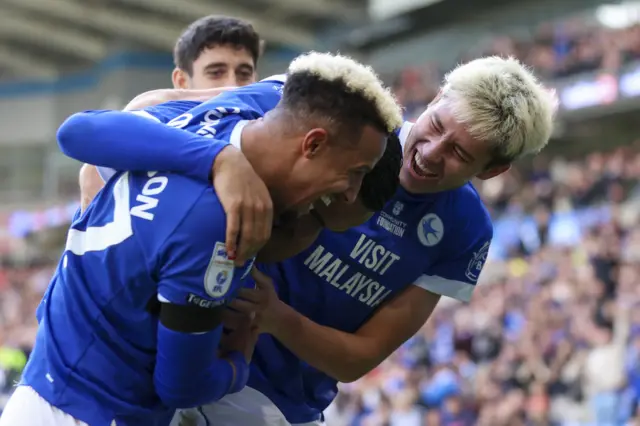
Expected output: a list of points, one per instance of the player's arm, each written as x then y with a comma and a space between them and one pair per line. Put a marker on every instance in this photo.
348, 356
195, 279
126, 141
160, 96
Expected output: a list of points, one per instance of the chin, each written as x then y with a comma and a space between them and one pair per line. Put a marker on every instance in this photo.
417, 186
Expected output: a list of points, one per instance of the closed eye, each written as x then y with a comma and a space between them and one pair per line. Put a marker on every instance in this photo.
460, 155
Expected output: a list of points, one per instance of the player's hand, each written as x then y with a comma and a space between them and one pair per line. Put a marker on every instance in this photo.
90, 184
290, 238
240, 335
262, 302
247, 203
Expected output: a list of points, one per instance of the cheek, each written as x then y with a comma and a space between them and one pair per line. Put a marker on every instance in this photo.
341, 184
455, 167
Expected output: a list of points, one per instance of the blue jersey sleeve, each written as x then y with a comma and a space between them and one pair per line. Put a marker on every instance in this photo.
137, 141
167, 111
194, 267
456, 273
195, 270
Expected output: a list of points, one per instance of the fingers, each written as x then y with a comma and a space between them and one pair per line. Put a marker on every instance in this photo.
260, 277
247, 235
243, 306
263, 282
233, 229
265, 218
250, 295
257, 222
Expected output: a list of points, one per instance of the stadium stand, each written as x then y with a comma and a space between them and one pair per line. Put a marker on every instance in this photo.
554, 321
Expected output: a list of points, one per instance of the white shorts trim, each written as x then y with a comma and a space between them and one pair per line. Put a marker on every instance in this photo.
27, 408
247, 408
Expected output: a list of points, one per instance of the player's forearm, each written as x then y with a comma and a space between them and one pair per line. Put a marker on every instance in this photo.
157, 97
126, 141
344, 356
188, 372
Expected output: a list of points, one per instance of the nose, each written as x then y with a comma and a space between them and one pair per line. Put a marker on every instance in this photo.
351, 194
229, 81
435, 151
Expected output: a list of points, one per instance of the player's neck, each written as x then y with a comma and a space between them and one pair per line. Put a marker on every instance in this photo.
259, 146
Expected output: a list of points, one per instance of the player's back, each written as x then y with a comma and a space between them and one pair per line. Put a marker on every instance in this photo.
96, 345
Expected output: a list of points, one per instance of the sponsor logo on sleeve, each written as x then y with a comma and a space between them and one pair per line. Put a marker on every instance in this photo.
219, 275
477, 262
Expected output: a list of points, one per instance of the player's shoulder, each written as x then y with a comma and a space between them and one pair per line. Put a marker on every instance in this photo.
468, 211
161, 201
169, 210
167, 111
256, 99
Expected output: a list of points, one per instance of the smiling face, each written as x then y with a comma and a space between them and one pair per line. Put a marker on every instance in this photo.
334, 170
440, 154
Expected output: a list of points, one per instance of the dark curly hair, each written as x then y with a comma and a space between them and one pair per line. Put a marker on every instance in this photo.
306, 95
212, 31
381, 183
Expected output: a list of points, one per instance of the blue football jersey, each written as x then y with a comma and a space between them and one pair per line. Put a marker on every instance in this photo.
146, 237
222, 117
436, 241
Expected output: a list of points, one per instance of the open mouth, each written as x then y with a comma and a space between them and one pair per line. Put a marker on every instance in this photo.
420, 168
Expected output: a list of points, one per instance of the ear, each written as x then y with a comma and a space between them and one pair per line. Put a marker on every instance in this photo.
180, 79
493, 172
314, 142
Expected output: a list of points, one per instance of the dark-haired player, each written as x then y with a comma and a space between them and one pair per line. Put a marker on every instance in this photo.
217, 51
130, 326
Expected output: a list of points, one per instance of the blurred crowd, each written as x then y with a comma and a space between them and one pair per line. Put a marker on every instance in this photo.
554, 51
551, 336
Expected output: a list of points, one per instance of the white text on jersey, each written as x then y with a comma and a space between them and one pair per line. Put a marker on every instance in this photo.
209, 121
154, 186
373, 256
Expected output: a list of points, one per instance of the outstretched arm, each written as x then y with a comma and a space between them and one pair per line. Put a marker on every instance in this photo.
127, 141
344, 356
160, 96
348, 356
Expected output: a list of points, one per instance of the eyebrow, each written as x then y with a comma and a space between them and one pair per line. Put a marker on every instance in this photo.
215, 65
246, 67
469, 157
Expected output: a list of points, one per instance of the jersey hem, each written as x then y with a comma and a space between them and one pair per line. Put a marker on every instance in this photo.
458, 290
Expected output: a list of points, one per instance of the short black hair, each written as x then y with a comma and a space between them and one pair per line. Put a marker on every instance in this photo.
309, 95
381, 183
212, 31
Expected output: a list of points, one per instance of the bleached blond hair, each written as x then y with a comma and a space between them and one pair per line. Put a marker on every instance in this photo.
357, 77
501, 102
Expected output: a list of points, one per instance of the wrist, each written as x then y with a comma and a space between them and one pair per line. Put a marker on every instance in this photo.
240, 370
283, 319
224, 156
